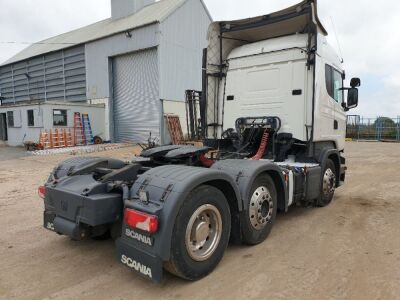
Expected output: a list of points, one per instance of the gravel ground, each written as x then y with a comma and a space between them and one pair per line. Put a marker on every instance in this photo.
7, 153
349, 250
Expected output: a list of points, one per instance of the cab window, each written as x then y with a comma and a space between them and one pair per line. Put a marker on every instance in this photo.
334, 83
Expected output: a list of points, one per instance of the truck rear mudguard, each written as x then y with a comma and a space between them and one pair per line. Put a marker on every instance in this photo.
167, 188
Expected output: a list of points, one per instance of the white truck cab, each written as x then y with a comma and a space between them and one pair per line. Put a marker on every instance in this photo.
282, 66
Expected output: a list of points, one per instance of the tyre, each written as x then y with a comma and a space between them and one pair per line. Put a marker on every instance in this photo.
103, 237
201, 234
257, 221
328, 184
116, 230
100, 233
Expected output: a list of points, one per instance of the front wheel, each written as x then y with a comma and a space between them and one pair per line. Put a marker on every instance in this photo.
201, 234
328, 184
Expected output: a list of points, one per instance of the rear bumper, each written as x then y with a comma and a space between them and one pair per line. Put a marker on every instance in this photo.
81, 216
94, 210
63, 226
140, 261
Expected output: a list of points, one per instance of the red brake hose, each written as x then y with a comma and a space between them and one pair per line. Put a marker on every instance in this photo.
206, 162
263, 146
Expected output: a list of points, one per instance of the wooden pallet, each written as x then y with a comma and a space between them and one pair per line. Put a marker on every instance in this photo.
174, 129
44, 140
59, 138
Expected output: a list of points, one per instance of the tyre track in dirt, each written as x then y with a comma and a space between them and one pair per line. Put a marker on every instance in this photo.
348, 250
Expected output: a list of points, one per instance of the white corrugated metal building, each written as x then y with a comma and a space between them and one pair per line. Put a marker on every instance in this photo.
138, 64
25, 121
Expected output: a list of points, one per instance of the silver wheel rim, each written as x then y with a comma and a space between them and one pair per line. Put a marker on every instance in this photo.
329, 182
261, 208
203, 232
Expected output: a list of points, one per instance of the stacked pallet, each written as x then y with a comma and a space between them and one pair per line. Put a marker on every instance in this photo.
58, 138
80, 135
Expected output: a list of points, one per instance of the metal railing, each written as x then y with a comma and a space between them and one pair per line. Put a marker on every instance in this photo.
378, 129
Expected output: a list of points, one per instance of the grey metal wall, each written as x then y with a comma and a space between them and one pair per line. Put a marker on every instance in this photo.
136, 103
99, 52
123, 8
182, 39
55, 76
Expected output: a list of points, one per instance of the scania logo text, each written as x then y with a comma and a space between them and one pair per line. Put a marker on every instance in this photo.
139, 237
133, 264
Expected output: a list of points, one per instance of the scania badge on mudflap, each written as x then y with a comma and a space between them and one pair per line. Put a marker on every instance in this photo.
139, 237
137, 266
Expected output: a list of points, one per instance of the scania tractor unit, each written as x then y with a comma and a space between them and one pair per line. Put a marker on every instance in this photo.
273, 118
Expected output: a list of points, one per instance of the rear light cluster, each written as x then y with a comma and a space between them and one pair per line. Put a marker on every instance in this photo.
139, 220
42, 191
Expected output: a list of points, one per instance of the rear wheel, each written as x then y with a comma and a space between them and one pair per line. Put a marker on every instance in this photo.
100, 233
115, 230
201, 234
328, 184
257, 221
103, 237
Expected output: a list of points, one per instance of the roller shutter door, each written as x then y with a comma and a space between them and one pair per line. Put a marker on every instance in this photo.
136, 103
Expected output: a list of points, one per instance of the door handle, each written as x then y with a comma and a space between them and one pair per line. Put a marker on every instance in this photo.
335, 125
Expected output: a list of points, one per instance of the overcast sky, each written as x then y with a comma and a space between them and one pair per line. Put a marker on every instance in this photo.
369, 35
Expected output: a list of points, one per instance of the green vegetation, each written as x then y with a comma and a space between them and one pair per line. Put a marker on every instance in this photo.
382, 128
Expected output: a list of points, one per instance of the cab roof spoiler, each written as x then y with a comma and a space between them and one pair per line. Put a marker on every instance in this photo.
292, 20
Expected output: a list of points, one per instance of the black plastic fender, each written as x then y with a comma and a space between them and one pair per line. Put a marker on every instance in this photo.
167, 188
335, 156
246, 171
72, 164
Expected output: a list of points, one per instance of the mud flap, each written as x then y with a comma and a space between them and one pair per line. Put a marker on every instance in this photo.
145, 264
48, 220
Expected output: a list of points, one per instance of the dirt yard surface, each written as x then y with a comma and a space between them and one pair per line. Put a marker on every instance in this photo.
7, 153
349, 250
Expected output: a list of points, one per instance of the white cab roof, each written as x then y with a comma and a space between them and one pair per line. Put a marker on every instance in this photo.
271, 45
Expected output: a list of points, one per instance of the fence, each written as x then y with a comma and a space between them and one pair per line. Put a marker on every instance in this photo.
378, 129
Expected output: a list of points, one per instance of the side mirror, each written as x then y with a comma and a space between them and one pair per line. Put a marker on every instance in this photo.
352, 98
355, 82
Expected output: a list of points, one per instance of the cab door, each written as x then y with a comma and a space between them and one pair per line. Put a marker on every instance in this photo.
330, 118
335, 91
340, 114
